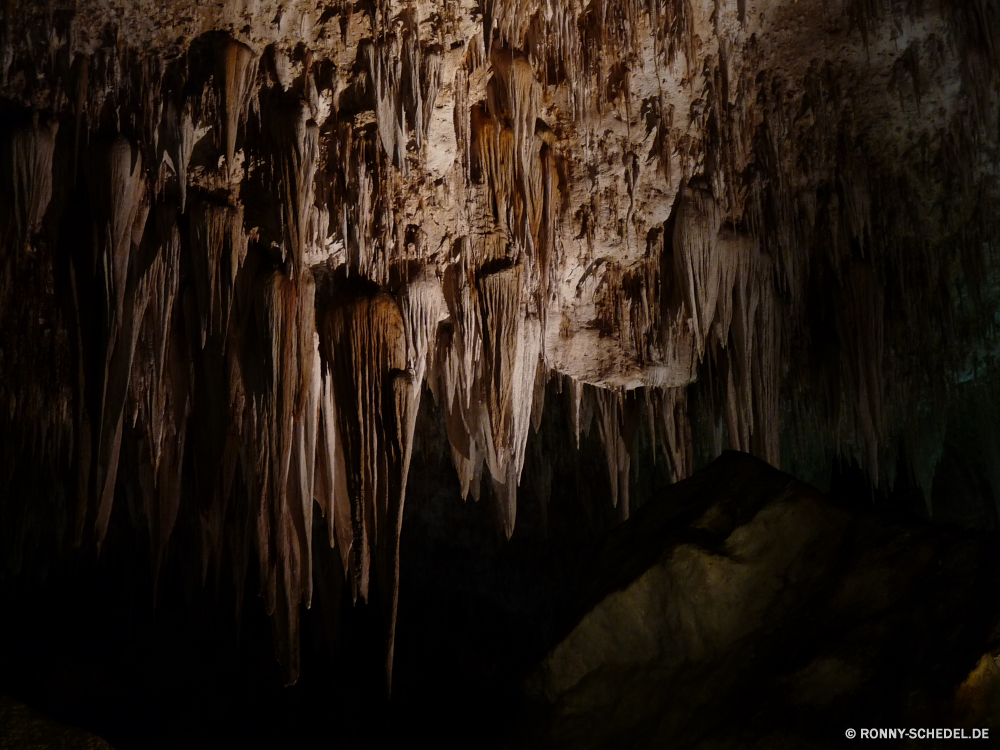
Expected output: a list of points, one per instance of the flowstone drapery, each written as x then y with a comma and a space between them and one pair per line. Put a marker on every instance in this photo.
237, 241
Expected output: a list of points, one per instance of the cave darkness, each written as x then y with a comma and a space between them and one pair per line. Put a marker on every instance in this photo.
508, 374
87, 643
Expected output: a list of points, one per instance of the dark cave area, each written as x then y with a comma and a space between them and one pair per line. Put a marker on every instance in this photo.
86, 644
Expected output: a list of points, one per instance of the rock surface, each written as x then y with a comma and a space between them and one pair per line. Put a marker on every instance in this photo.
746, 609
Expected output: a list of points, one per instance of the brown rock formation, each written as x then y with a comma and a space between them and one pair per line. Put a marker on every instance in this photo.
745, 609
237, 239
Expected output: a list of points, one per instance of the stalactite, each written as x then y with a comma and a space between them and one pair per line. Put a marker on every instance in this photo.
696, 259
617, 424
470, 72
576, 401
506, 151
159, 400
511, 346
180, 136
494, 155
386, 71
121, 199
31, 152
219, 247
748, 325
430, 83
296, 138
359, 229
284, 402
753, 245
330, 486
456, 379
675, 436
423, 308
513, 96
366, 352
238, 70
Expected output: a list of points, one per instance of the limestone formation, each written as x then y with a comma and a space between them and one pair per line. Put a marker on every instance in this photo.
238, 239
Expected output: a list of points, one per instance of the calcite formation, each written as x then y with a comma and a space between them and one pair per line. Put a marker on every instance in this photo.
743, 593
238, 239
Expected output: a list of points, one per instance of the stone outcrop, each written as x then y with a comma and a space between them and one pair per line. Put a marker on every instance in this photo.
746, 609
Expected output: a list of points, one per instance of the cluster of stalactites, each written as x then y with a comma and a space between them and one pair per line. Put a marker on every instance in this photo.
146, 370
405, 78
26, 163
619, 416
486, 380
318, 410
490, 367
375, 356
730, 303
314, 410
507, 154
227, 358
580, 43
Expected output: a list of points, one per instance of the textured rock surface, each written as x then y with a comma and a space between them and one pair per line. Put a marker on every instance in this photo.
238, 238
745, 609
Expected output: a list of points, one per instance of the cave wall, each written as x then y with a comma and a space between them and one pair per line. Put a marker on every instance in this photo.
238, 239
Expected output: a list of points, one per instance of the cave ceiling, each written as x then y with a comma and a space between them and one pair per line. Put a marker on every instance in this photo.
237, 239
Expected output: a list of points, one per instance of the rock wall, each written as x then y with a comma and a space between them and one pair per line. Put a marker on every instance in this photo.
744, 609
